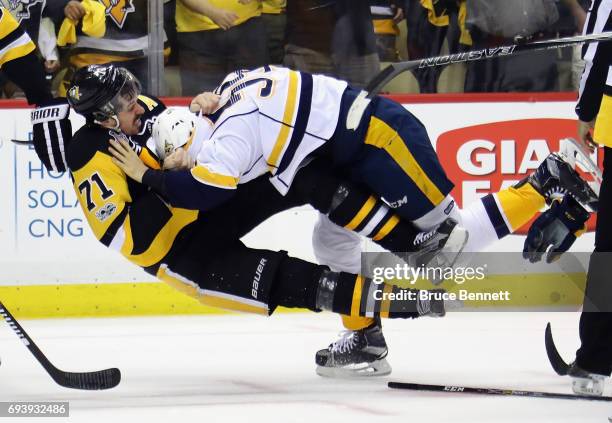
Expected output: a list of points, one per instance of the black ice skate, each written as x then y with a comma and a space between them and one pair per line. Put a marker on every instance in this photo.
358, 353
555, 177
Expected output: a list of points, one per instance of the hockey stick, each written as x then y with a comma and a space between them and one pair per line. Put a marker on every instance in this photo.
101, 379
556, 361
394, 69
492, 391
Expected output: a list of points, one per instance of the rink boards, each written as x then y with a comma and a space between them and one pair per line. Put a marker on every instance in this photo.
52, 266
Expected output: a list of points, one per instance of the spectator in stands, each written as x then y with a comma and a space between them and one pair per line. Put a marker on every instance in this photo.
431, 26
386, 14
217, 37
332, 37
38, 20
124, 41
497, 22
275, 21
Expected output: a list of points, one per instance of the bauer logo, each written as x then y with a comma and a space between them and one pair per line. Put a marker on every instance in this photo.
485, 158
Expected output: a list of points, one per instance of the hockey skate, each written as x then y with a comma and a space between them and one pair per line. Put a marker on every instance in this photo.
586, 383
440, 249
360, 353
556, 177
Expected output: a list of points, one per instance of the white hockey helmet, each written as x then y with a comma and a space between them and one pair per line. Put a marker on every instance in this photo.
173, 129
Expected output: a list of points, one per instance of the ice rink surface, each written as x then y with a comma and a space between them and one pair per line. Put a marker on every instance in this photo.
239, 368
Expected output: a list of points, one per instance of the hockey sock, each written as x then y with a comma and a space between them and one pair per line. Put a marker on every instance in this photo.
356, 296
348, 206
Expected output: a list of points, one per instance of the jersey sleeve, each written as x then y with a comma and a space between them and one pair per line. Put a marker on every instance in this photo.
597, 57
19, 62
221, 162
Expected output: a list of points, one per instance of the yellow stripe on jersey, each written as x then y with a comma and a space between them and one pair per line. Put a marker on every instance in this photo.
207, 177
385, 27
603, 124
361, 214
288, 114
518, 205
7, 23
387, 227
274, 7
383, 136
20, 47
210, 298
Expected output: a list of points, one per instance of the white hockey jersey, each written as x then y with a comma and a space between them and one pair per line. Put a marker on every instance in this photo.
269, 120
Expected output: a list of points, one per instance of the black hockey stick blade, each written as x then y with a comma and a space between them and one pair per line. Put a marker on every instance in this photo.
97, 380
520, 46
493, 391
22, 142
556, 361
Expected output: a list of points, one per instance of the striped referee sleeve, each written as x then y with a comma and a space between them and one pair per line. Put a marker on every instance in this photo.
597, 57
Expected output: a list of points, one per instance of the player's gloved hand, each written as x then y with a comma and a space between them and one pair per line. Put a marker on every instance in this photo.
555, 230
52, 133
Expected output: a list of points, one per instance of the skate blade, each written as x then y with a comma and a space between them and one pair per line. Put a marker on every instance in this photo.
362, 370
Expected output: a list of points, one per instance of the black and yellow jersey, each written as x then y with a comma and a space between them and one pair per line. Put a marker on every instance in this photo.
123, 214
14, 41
19, 62
126, 35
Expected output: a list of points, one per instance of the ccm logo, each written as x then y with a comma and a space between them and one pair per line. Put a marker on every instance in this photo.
454, 388
486, 158
257, 278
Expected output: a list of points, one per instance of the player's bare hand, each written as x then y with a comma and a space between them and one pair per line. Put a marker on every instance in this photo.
585, 135
224, 18
52, 66
206, 102
74, 10
127, 159
178, 160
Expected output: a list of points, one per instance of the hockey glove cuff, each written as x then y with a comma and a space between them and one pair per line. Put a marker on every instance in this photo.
52, 133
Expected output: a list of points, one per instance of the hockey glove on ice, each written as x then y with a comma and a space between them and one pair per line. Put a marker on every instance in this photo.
555, 230
52, 133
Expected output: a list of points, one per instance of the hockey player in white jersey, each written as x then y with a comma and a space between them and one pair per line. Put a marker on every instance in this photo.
273, 120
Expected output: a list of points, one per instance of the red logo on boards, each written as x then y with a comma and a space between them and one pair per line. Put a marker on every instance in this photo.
485, 158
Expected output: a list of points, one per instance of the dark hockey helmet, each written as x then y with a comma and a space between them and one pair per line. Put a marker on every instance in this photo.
97, 90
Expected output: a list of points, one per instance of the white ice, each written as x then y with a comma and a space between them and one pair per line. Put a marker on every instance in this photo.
240, 368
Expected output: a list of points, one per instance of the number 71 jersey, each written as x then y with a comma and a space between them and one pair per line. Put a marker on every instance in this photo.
270, 120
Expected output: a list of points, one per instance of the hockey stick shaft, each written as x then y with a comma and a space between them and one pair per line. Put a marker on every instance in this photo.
102, 379
492, 391
394, 69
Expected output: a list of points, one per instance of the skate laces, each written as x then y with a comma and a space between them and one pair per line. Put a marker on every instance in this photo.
347, 340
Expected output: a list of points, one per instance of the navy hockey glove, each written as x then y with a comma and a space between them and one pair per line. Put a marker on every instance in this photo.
555, 230
52, 133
